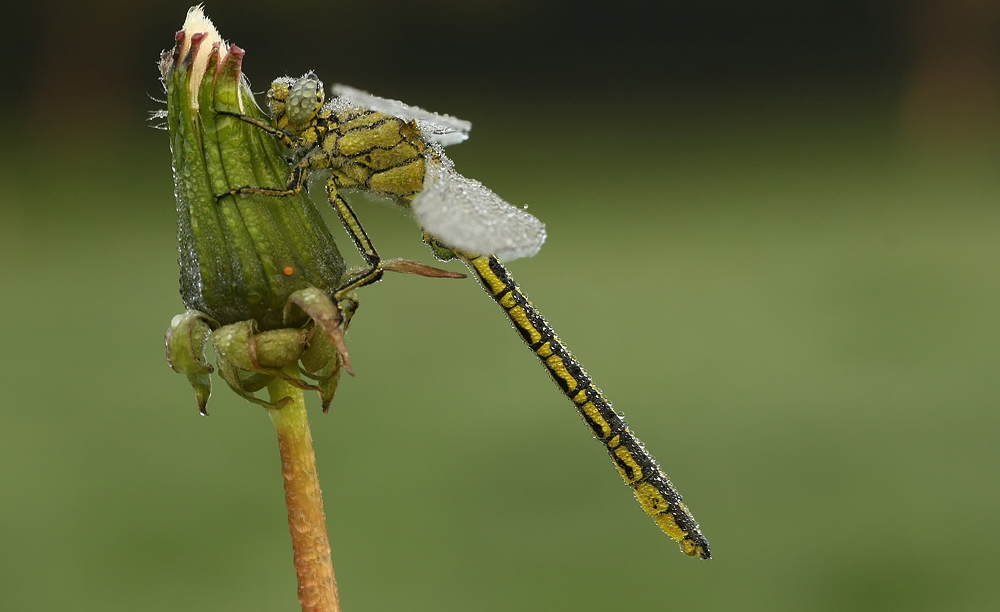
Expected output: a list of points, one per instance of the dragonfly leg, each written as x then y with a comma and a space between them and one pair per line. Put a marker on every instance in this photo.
296, 183
373, 272
284, 135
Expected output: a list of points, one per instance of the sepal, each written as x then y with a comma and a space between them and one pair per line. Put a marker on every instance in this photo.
186, 343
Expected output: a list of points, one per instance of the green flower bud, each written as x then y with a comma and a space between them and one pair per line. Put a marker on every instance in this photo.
256, 271
240, 257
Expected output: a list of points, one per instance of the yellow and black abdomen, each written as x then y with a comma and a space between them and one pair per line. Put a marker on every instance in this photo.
656, 494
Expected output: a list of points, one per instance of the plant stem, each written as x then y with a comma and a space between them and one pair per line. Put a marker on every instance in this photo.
306, 521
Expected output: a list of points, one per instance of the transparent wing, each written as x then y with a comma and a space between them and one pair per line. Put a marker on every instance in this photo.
442, 129
464, 214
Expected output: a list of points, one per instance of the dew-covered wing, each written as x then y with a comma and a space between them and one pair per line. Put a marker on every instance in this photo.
464, 214
442, 129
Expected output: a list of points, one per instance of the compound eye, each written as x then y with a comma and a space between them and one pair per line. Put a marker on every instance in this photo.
305, 99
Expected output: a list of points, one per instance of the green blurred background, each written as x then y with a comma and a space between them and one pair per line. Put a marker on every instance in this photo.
773, 242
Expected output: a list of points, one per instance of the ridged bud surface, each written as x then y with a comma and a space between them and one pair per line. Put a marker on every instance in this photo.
241, 257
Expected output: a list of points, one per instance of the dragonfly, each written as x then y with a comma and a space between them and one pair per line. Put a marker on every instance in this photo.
396, 150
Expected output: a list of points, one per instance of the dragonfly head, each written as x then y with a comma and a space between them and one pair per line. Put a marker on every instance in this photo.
295, 102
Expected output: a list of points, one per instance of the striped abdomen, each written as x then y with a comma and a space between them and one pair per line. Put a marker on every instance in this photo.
652, 488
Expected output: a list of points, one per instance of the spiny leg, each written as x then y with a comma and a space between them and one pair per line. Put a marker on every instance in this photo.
304, 162
296, 183
284, 135
369, 275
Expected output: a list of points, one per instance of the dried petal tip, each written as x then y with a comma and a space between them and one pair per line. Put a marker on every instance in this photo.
197, 22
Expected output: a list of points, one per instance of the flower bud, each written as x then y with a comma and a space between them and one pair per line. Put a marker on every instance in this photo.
256, 271
241, 257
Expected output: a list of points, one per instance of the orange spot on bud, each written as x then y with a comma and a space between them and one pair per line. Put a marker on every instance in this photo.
288, 270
